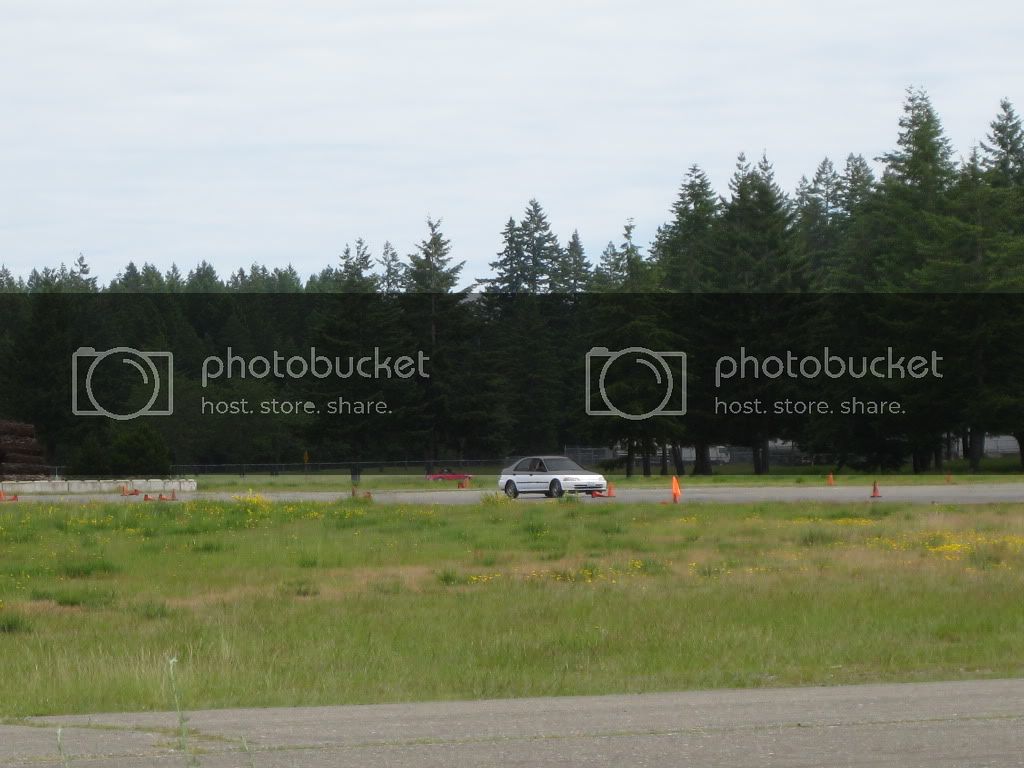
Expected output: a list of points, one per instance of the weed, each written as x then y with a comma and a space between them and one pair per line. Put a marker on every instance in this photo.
817, 537
82, 569
75, 597
12, 624
451, 578
300, 588
154, 609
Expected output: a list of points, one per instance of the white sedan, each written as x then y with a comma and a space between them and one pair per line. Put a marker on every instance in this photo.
551, 475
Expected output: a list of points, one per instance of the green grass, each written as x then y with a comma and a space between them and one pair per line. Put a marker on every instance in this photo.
302, 604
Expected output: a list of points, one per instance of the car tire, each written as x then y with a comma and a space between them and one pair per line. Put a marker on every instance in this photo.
511, 490
556, 489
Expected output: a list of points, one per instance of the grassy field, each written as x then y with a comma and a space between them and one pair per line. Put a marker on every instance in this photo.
301, 604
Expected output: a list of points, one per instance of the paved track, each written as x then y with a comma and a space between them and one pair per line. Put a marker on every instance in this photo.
924, 725
972, 493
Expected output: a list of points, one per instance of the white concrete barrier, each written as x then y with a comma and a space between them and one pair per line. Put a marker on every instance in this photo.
29, 487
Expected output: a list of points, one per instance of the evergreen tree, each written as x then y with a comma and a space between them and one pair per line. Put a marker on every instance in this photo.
127, 281
511, 272
540, 248
150, 279
922, 163
817, 222
753, 238
286, 280
203, 279
639, 276
356, 270
683, 247
7, 281
610, 274
572, 271
855, 185
393, 271
1003, 158
79, 277
430, 267
173, 280
907, 220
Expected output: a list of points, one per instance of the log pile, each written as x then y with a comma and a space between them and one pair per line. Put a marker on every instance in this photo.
21, 457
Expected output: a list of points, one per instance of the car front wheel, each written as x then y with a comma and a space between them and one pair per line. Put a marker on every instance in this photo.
510, 489
556, 489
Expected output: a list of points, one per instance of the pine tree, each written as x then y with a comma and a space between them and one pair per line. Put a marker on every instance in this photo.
572, 271
150, 279
430, 267
639, 274
285, 280
203, 279
173, 280
907, 220
682, 248
855, 185
817, 222
356, 269
540, 248
393, 271
7, 281
1003, 159
610, 274
78, 279
127, 281
923, 159
511, 271
753, 239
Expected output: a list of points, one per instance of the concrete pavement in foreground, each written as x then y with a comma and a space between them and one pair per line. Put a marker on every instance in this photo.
918, 725
968, 493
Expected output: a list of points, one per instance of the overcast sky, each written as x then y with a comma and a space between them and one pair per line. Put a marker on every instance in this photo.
176, 131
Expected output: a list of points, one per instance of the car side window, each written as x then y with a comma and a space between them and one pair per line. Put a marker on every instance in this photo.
541, 467
523, 466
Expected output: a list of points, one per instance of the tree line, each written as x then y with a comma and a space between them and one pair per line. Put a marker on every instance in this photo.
929, 222
940, 242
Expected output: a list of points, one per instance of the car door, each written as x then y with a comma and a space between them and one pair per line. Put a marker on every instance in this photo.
521, 475
538, 476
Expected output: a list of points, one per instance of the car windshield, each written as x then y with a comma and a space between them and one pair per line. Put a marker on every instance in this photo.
563, 465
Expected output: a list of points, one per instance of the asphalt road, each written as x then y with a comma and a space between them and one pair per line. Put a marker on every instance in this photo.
972, 493
926, 725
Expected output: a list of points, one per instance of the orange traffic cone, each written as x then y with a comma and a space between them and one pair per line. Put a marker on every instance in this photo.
147, 497
676, 491
949, 478
831, 480
2, 497
463, 484
611, 490
874, 491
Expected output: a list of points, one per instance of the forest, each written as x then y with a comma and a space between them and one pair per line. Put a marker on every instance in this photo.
926, 254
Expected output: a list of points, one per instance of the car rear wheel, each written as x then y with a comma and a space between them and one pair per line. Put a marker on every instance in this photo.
511, 490
556, 489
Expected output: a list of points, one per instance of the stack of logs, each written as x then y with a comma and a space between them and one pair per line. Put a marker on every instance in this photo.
21, 457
